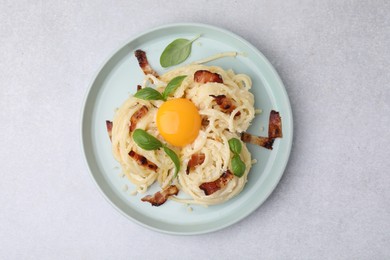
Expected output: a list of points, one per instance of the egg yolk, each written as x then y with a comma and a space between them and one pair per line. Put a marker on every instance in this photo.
178, 121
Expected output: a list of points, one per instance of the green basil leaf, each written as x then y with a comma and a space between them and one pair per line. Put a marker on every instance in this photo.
174, 158
172, 86
176, 52
235, 145
145, 140
148, 94
238, 166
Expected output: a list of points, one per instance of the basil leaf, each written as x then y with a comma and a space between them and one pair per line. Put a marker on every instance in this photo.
145, 140
148, 94
235, 145
174, 158
238, 166
176, 52
172, 86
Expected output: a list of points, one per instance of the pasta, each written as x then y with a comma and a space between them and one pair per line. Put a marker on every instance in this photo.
226, 109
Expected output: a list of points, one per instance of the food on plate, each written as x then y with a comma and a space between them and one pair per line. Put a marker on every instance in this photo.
186, 131
176, 52
161, 197
178, 121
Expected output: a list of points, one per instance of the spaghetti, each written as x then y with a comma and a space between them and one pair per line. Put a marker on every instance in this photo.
226, 107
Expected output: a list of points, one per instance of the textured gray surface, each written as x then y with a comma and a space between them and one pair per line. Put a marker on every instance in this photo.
333, 201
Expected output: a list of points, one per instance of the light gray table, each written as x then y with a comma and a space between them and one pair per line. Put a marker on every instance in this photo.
333, 201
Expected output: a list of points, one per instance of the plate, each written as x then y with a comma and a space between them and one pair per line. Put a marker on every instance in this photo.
119, 77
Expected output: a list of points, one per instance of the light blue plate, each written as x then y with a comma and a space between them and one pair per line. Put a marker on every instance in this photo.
119, 77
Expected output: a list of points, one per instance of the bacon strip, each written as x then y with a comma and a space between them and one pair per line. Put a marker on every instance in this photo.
141, 160
265, 142
225, 103
143, 63
275, 125
196, 159
139, 87
137, 116
211, 187
205, 76
161, 197
205, 121
109, 129
274, 131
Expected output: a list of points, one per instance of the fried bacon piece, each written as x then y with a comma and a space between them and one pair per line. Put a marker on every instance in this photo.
137, 116
141, 160
161, 197
225, 103
275, 125
274, 131
139, 87
143, 63
211, 187
109, 129
205, 121
265, 142
205, 76
196, 159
